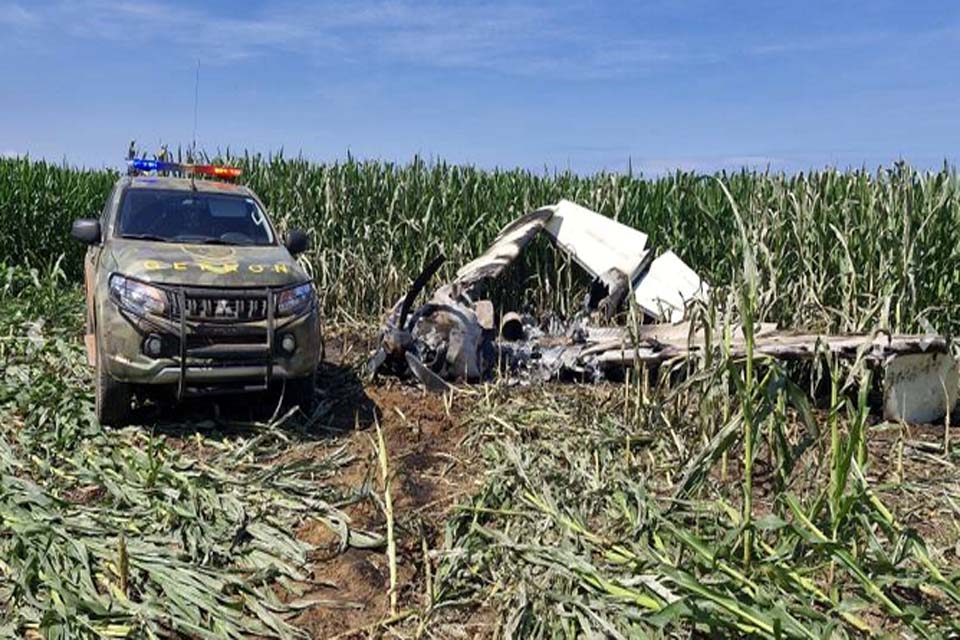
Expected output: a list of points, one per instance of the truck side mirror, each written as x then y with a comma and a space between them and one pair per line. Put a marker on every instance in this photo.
296, 241
86, 230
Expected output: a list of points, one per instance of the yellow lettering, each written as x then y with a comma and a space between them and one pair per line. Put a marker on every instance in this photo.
256, 268
280, 268
153, 265
219, 269
179, 266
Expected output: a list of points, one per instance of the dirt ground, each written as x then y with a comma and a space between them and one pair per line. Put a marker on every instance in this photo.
430, 472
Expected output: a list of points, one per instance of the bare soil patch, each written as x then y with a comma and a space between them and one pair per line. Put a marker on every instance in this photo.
430, 472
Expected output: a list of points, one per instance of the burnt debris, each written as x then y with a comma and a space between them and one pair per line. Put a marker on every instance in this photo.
455, 336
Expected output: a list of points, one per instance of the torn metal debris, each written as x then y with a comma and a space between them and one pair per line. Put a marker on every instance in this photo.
455, 335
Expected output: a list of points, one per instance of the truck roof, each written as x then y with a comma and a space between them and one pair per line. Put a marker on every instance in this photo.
184, 184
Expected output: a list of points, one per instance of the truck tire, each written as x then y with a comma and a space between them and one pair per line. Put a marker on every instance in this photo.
300, 393
113, 398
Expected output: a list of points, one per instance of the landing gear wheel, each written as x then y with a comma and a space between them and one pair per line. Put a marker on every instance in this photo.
113, 398
301, 393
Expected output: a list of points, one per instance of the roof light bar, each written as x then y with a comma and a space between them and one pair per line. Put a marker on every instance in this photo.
216, 171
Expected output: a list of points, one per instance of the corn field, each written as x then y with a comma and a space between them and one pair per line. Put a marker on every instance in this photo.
839, 251
724, 497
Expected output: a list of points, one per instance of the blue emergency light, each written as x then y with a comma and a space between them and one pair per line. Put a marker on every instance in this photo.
145, 164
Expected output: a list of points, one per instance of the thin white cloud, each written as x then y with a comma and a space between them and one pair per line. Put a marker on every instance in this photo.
9, 153
518, 39
16, 15
523, 37
821, 42
188, 29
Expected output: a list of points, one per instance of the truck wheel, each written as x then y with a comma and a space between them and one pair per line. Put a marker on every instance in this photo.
300, 393
113, 398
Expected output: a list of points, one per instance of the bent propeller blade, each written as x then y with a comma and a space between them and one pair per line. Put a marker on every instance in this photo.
428, 378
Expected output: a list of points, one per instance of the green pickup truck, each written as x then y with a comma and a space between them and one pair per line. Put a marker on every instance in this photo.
190, 292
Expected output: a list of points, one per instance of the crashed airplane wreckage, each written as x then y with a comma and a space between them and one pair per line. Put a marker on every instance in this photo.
454, 335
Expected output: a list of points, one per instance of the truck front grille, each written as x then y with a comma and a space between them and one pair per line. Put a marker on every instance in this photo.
225, 307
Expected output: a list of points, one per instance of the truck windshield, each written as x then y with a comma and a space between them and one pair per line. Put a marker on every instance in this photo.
192, 217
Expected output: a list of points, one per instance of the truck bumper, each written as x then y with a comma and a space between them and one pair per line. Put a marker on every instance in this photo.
206, 354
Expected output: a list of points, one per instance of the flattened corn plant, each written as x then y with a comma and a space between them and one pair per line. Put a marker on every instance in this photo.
608, 513
119, 533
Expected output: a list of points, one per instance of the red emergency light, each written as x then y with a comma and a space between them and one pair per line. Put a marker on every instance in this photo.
217, 171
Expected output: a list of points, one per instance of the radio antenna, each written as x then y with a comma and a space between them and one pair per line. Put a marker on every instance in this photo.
196, 103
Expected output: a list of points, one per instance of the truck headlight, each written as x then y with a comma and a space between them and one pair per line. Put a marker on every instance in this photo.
295, 300
137, 297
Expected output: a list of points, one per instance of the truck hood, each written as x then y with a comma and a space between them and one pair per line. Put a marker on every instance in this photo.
204, 265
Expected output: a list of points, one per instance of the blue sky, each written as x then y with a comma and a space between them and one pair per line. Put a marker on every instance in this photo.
587, 86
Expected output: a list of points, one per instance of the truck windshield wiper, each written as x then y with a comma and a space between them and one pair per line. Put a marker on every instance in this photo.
226, 242
199, 240
144, 236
